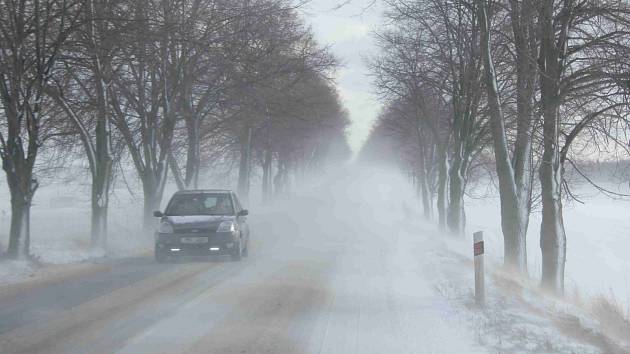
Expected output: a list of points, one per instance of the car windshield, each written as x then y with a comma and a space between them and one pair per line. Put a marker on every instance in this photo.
200, 204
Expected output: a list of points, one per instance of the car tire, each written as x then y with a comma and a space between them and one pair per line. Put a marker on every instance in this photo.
238, 253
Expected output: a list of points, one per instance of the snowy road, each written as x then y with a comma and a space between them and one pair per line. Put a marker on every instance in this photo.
333, 271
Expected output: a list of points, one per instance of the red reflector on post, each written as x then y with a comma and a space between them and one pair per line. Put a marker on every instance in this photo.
478, 248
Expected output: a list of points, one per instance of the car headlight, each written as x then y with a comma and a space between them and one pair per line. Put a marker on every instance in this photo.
227, 226
165, 228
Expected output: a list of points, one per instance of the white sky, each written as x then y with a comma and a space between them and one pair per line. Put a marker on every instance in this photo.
348, 32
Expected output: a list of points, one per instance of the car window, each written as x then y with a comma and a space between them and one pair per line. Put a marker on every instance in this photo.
200, 204
210, 202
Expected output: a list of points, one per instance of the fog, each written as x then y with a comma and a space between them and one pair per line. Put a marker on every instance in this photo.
343, 263
334, 262
504, 120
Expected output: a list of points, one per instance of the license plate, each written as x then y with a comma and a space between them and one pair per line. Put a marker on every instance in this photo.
194, 240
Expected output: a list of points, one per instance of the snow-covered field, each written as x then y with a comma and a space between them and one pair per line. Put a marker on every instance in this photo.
60, 226
60, 223
598, 240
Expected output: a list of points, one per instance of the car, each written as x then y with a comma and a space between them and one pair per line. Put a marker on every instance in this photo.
202, 223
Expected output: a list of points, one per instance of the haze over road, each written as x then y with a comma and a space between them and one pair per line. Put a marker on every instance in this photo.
335, 269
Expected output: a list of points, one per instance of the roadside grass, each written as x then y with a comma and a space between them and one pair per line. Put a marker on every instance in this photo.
614, 319
600, 321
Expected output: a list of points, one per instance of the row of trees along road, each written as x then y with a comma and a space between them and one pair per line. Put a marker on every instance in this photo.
516, 84
170, 87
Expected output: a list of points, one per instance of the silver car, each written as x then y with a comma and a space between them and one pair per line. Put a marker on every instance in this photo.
201, 223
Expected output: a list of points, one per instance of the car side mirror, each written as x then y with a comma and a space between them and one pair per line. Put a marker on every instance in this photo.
243, 212
158, 214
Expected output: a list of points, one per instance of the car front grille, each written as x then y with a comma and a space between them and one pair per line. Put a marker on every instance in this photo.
196, 230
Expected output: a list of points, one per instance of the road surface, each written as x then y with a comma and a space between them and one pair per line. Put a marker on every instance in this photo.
334, 270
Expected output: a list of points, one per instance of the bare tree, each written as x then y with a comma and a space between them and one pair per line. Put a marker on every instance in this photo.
143, 98
513, 165
90, 54
32, 33
583, 47
285, 53
442, 49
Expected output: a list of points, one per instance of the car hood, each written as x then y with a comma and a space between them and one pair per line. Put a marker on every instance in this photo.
197, 221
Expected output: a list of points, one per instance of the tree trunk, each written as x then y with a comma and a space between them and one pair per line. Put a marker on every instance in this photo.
151, 204
153, 188
426, 199
553, 241
102, 166
19, 234
266, 181
177, 175
422, 181
456, 217
100, 203
99, 223
551, 63
514, 212
152, 200
442, 198
193, 159
22, 187
244, 166
514, 226
281, 179
523, 27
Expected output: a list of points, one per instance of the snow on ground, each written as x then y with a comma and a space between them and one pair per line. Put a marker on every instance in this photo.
598, 240
517, 318
332, 270
60, 227
15, 271
60, 224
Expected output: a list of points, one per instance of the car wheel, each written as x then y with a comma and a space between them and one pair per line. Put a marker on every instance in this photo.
238, 253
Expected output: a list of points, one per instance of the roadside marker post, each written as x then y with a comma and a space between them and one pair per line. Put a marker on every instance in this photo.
478, 249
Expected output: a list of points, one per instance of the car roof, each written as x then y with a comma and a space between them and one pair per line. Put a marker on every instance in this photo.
202, 191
